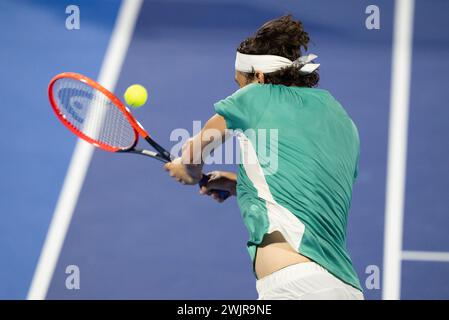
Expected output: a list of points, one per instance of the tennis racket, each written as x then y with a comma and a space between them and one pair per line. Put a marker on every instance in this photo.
97, 116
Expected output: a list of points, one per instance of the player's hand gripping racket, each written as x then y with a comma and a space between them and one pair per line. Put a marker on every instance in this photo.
97, 116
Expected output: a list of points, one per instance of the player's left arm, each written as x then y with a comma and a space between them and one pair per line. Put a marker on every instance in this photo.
187, 169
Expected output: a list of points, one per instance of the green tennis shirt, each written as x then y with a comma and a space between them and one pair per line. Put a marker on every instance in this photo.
299, 154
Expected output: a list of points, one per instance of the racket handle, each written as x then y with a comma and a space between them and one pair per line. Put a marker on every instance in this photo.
222, 194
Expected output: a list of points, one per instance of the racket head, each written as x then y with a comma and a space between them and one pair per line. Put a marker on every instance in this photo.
93, 113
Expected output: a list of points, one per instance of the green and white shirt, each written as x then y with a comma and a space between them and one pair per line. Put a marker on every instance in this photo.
299, 152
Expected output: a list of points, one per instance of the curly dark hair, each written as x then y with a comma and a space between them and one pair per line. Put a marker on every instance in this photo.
281, 37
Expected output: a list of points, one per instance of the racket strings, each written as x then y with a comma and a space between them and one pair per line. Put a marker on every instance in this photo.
92, 113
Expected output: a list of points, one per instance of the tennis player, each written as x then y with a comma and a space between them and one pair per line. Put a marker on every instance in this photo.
296, 211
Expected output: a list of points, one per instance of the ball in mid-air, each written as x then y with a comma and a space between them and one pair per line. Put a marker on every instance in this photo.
136, 95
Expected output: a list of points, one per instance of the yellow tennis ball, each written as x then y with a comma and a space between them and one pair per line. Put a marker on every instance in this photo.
136, 95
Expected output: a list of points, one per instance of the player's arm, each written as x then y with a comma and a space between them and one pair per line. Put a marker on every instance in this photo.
211, 136
187, 169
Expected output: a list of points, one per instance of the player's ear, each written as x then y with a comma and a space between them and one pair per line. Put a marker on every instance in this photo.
260, 77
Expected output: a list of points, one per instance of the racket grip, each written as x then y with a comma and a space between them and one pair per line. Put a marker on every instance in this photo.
222, 194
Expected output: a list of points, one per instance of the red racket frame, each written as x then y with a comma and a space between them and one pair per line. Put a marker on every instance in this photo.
137, 127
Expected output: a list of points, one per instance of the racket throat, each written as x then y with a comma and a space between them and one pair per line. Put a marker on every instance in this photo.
164, 153
147, 153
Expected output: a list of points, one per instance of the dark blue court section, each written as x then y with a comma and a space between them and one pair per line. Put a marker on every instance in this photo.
427, 190
35, 46
425, 280
137, 234
426, 212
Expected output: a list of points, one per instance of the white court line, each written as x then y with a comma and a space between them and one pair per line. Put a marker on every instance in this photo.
397, 147
109, 73
432, 256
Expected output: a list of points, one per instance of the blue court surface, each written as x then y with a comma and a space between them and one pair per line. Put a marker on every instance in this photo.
136, 234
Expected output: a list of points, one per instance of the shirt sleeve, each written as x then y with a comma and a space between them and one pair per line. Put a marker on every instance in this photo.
243, 109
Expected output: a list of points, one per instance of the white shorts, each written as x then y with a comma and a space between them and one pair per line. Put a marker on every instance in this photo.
305, 281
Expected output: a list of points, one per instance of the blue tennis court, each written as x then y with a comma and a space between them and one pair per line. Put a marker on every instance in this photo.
134, 233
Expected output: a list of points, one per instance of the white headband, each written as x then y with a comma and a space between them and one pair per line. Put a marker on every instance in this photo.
269, 63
